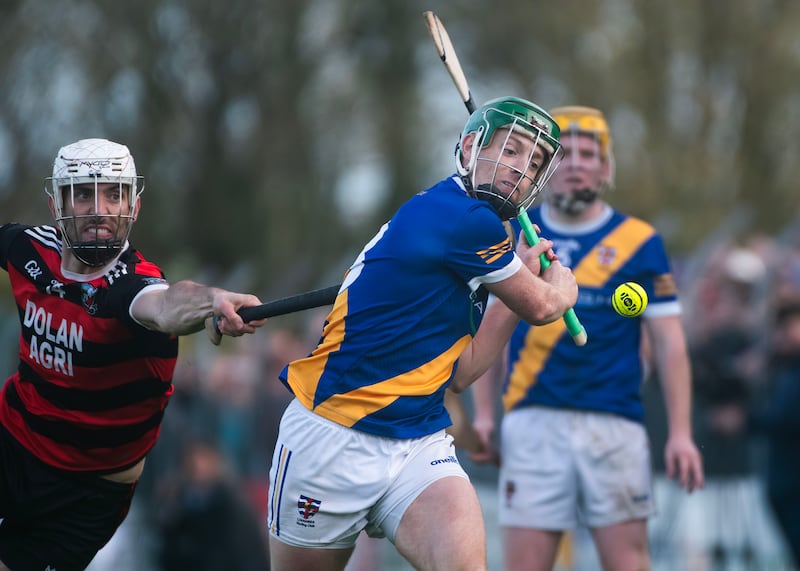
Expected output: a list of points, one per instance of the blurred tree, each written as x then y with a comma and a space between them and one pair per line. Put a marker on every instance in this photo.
276, 137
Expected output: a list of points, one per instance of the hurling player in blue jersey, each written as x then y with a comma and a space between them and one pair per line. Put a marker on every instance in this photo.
573, 445
363, 444
97, 349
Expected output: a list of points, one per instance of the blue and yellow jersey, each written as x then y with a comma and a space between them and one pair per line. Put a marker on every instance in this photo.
546, 368
407, 308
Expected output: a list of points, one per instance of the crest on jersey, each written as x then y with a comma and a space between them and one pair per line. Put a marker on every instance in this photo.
606, 255
88, 291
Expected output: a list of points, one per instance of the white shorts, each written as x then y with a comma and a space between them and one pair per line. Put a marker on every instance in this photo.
328, 482
561, 467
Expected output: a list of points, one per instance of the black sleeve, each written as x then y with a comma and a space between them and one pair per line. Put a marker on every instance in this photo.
8, 233
123, 287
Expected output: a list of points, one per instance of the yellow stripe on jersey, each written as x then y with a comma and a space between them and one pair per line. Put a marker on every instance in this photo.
348, 408
594, 270
492, 253
664, 285
539, 342
613, 251
313, 366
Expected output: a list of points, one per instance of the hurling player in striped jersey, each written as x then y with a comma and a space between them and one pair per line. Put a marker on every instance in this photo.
98, 346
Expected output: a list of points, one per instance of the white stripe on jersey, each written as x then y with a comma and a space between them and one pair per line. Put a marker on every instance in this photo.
46, 235
497, 275
358, 265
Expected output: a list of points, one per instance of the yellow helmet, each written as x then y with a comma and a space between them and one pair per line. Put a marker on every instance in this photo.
584, 120
588, 120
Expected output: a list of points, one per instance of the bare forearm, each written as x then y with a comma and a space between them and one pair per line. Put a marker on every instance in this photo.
181, 309
538, 300
674, 372
483, 391
496, 328
676, 386
681, 457
549, 305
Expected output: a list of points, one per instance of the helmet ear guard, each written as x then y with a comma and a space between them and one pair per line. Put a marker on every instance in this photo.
94, 162
477, 143
518, 116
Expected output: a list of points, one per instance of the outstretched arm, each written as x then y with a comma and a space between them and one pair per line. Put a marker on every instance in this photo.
182, 308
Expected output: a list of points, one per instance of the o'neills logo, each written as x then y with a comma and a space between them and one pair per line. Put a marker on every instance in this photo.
448, 460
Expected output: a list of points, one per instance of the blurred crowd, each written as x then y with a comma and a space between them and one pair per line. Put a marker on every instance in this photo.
207, 478
202, 502
741, 303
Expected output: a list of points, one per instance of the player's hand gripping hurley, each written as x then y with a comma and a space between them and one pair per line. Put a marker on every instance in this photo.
448, 56
299, 302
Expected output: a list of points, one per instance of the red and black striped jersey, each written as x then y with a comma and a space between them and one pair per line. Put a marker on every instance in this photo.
92, 383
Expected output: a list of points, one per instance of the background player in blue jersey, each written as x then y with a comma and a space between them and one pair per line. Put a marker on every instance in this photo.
98, 346
363, 445
573, 445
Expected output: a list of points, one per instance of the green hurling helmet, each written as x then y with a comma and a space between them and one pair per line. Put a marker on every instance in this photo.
506, 111
501, 117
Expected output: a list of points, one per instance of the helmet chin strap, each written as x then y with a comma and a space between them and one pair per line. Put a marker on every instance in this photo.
96, 254
504, 207
575, 202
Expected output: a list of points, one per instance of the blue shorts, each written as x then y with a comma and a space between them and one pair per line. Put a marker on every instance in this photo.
52, 519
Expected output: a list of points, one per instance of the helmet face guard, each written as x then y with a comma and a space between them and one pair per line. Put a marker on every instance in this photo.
505, 117
95, 192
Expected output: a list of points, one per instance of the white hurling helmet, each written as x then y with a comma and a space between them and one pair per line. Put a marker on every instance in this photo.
93, 162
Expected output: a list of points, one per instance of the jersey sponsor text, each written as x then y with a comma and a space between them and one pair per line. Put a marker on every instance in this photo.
52, 350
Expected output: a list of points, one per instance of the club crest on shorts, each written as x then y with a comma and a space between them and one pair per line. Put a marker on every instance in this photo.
510, 490
307, 508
